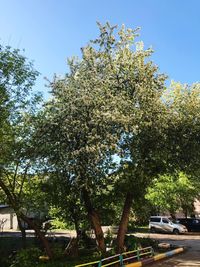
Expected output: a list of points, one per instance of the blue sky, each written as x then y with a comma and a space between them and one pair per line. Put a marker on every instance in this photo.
52, 30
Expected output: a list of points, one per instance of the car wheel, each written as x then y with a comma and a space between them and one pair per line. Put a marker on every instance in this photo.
153, 230
176, 231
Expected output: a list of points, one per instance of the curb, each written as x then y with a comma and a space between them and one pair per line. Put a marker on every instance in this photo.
156, 258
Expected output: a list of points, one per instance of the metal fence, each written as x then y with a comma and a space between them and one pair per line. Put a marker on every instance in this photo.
122, 259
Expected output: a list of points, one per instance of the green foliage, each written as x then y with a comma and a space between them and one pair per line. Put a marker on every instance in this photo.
58, 252
16, 79
56, 264
57, 218
109, 238
108, 104
142, 211
133, 242
12, 254
173, 192
17, 106
27, 257
182, 143
113, 103
30, 257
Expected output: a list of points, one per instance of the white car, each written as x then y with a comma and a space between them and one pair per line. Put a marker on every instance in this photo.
164, 224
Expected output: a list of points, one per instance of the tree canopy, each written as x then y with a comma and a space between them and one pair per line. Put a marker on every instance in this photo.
111, 130
173, 193
108, 104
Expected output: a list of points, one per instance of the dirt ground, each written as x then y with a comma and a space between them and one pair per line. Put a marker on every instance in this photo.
190, 258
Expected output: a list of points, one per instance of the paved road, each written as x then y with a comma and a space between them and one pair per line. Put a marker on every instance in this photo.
190, 258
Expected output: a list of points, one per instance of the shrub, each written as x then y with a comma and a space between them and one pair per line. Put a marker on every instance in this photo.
26, 257
133, 242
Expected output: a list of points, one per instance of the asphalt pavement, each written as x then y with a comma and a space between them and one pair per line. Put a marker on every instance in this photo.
190, 258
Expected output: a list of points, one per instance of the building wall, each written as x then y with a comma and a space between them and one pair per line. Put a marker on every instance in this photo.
197, 208
8, 219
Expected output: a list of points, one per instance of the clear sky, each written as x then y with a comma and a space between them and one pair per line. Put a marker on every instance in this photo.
52, 30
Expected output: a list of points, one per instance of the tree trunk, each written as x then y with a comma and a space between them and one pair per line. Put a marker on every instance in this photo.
95, 221
124, 222
76, 223
23, 232
77, 229
172, 215
39, 234
15, 205
186, 213
78, 234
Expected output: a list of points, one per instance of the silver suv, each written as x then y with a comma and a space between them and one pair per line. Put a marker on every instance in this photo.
164, 224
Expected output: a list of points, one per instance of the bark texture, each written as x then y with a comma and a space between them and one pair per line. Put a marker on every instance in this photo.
40, 234
124, 222
23, 232
14, 204
95, 220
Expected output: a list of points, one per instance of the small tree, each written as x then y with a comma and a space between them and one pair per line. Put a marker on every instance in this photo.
170, 193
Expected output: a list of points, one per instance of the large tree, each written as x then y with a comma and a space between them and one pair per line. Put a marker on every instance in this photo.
111, 98
17, 107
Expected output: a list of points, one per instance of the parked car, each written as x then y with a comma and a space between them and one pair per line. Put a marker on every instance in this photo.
192, 224
165, 225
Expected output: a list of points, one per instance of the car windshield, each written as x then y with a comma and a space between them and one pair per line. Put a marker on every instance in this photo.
172, 220
177, 221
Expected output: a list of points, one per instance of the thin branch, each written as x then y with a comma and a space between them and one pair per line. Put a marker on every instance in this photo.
9, 179
14, 177
23, 180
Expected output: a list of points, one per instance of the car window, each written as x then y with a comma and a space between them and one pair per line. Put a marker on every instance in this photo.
196, 222
180, 221
165, 220
155, 219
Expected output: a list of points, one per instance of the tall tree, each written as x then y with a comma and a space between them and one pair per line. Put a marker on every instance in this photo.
83, 121
167, 140
17, 105
109, 99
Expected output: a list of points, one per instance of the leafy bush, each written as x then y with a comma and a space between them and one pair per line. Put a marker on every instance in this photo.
109, 238
26, 257
58, 220
58, 224
58, 251
54, 264
132, 226
133, 242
